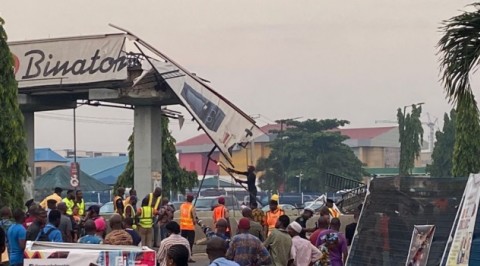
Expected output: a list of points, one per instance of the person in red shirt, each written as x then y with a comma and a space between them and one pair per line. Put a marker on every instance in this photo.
322, 224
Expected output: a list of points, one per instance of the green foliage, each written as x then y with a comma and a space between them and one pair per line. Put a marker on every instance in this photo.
467, 142
411, 138
174, 177
442, 154
13, 149
311, 147
459, 51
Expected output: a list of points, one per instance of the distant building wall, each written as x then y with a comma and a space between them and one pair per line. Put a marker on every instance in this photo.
242, 158
197, 162
43, 167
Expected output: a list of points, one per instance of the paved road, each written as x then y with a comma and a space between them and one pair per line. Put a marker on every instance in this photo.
200, 259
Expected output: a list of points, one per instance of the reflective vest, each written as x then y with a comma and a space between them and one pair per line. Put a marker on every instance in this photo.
186, 219
81, 208
271, 218
333, 212
70, 203
150, 201
115, 203
219, 213
132, 211
146, 218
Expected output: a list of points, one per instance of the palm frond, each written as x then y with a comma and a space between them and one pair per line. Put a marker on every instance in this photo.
459, 50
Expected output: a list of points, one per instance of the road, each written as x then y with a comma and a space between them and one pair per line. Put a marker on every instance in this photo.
200, 259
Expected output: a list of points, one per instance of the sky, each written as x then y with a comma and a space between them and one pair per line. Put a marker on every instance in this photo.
275, 59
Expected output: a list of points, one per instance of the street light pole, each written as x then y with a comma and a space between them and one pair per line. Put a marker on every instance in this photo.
300, 182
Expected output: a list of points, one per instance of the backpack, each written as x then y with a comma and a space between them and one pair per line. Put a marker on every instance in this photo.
45, 236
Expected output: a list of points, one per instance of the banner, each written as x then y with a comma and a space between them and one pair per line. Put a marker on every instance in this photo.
76, 60
462, 238
73, 254
222, 121
422, 237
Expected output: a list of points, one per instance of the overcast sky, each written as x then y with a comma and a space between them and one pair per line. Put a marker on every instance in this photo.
353, 60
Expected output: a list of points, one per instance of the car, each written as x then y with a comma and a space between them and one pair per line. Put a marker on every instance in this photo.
209, 203
315, 205
176, 204
107, 208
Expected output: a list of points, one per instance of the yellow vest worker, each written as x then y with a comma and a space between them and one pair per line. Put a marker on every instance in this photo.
56, 196
81, 207
146, 217
152, 203
70, 204
145, 223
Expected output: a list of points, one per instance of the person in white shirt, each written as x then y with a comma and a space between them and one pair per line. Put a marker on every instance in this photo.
303, 253
174, 238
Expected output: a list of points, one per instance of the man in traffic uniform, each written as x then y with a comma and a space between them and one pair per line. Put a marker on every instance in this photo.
131, 192
188, 220
145, 216
334, 213
118, 201
129, 211
69, 201
80, 202
57, 196
154, 200
271, 217
221, 212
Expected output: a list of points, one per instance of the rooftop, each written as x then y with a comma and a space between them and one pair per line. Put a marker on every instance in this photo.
48, 155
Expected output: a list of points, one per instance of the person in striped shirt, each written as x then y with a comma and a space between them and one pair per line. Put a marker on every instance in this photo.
174, 238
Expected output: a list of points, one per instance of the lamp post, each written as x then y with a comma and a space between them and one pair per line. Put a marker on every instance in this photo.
300, 182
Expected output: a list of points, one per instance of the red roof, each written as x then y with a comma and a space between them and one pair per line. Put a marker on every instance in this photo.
352, 133
364, 133
204, 139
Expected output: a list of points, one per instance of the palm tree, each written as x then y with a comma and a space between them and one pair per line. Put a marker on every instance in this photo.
459, 50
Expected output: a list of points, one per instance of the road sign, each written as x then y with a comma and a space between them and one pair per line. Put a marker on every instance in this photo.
74, 172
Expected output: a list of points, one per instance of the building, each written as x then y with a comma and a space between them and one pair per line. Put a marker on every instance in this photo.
46, 159
376, 147
69, 153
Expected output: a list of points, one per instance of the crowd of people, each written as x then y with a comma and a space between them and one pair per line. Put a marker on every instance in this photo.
268, 238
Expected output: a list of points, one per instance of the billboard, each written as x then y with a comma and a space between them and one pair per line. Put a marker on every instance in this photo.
459, 252
78, 60
75, 254
420, 245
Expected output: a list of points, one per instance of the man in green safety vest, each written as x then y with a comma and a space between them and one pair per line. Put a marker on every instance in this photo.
145, 216
80, 202
69, 201
154, 200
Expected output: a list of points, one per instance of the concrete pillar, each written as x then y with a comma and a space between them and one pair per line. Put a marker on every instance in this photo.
148, 149
29, 125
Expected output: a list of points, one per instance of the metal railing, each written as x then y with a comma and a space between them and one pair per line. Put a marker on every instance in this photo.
353, 191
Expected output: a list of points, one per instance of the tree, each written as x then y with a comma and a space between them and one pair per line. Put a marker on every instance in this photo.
411, 138
13, 148
458, 49
174, 178
312, 148
442, 154
467, 143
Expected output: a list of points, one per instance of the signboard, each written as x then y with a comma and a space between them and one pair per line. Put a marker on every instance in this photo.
422, 237
74, 254
74, 173
462, 238
222, 121
78, 60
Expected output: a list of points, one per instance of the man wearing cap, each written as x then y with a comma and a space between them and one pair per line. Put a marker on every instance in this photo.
56, 195
271, 217
303, 252
332, 209
302, 220
221, 212
69, 201
246, 249
251, 181
187, 221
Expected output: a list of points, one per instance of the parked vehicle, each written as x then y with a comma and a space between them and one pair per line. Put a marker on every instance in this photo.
107, 208
209, 203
